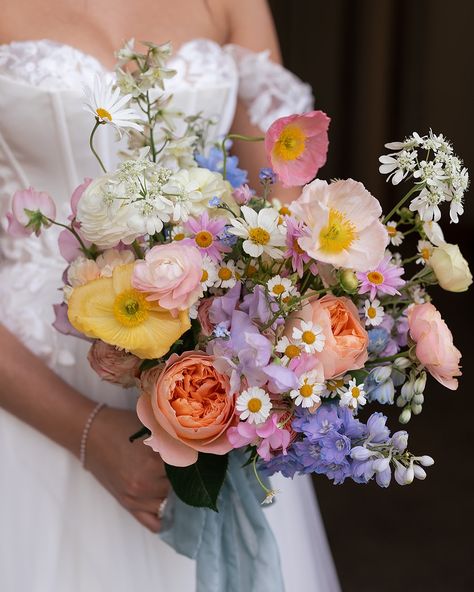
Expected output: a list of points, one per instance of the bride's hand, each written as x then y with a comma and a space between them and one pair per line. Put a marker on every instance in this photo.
131, 472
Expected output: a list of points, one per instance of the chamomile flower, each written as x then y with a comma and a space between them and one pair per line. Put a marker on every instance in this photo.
335, 387
109, 107
226, 274
395, 236
260, 232
280, 287
209, 273
178, 233
309, 390
254, 405
354, 395
282, 209
425, 250
288, 349
309, 336
373, 312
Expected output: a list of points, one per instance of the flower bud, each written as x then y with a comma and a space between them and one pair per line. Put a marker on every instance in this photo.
405, 415
381, 373
400, 440
419, 472
416, 409
381, 464
400, 473
420, 383
409, 475
360, 453
407, 390
348, 281
384, 477
402, 363
401, 402
418, 399
425, 460
451, 269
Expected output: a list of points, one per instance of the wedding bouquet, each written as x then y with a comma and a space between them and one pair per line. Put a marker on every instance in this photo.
246, 323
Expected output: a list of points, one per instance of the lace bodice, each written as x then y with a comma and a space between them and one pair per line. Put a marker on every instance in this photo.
44, 134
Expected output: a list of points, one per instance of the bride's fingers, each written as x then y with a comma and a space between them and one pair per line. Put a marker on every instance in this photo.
149, 520
151, 505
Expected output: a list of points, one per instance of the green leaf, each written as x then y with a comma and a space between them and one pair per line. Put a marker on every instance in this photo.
199, 484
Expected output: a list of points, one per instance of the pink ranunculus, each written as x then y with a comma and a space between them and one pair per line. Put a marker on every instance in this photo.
434, 344
187, 407
170, 274
203, 316
39, 204
114, 365
297, 146
346, 342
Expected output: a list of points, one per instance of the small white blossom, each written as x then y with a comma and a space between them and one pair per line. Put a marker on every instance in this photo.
280, 287
354, 396
425, 250
374, 313
254, 405
309, 390
289, 350
395, 236
226, 275
209, 273
260, 232
309, 336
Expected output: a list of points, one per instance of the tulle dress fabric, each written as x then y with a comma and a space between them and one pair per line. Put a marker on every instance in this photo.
60, 531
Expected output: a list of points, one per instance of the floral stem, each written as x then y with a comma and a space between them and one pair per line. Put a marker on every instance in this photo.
403, 354
152, 125
73, 232
91, 144
137, 250
401, 203
235, 137
257, 476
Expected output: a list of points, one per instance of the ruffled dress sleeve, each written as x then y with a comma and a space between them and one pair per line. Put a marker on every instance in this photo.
267, 89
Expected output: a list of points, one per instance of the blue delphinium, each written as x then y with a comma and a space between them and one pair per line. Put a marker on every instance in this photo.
214, 162
267, 175
378, 340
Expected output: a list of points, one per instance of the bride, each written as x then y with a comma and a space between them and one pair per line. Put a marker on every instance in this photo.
63, 528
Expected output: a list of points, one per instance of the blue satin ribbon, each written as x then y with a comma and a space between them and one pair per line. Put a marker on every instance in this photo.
234, 549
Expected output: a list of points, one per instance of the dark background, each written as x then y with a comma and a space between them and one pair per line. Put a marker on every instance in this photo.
383, 69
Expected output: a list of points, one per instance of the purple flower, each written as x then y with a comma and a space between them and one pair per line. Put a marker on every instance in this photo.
287, 464
205, 237
256, 305
295, 230
243, 194
317, 425
334, 447
222, 307
384, 279
267, 175
377, 431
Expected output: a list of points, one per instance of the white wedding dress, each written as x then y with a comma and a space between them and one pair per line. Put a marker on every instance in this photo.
60, 531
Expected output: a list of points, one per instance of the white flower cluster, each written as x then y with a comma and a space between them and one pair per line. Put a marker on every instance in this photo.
438, 173
140, 197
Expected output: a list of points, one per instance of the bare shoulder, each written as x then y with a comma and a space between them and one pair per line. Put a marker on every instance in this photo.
249, 24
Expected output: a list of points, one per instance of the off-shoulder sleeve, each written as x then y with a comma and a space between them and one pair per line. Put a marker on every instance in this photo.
268, 90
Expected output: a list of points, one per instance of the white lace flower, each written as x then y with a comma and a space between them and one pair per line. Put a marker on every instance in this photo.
309, 336
374, 313
309, 390
254, 404
398, 165
395, 236
107, 104
425, 250
288, 349
280, 287
260, 232
430, 172
354, 396
434, 233
426, 203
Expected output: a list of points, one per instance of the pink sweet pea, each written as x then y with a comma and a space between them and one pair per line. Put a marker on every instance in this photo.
39, 205
297, 146
268, 436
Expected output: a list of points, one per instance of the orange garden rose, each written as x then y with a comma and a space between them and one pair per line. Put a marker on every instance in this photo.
187, 407
345, 347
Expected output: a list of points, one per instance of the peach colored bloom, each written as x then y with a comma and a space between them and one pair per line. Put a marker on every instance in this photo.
346, 342
203, 316
114, 365
434, 344
171, 275
81, 271
343, 218
187, 407
297, 146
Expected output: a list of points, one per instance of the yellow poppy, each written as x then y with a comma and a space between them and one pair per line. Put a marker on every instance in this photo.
110, 309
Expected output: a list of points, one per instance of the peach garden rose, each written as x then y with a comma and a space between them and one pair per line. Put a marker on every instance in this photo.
187, 407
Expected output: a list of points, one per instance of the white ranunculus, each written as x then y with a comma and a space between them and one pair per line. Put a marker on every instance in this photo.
450, 268
104, 219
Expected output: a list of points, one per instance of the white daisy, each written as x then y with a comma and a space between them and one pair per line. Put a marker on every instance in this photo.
177, 232
226, 275
260, 232
108, 106
354, 396
310, 336
254, 404
209, 273
395, 236
309, 390
282, 209
280, 287
425, 250
335, 386
288, 349
373, 312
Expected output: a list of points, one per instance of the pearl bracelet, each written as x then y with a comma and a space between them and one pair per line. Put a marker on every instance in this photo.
85, 432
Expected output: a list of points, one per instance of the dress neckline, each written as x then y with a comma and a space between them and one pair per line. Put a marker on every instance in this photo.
99, 64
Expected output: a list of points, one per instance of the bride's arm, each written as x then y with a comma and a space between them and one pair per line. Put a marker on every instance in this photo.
134, 474
251, 26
